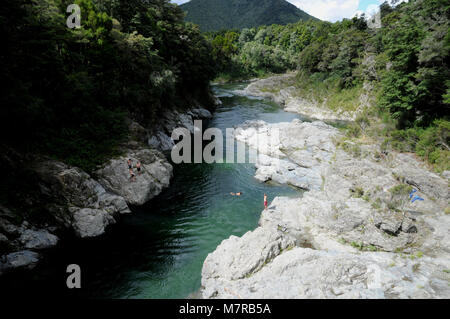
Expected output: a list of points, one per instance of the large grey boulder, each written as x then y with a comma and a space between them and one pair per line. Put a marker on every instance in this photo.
69, 191
232, 261
18, 236
38, 239
308, 273
236, 258
297, 252
9, 228
293, 153
21, 259
90, 222
155, 175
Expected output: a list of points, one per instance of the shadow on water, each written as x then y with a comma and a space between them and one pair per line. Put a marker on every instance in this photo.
159, 249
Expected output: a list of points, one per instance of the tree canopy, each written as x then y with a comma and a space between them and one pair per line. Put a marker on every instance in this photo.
67, 91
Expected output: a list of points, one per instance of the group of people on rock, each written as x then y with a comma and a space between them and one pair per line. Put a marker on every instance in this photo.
130, 168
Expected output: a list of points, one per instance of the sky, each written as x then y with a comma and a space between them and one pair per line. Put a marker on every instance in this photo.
332, 10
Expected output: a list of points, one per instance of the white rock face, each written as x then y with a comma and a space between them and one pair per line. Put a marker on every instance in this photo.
308, 273
235, 263
72, 194
90, 222
273, 261
155, 175
279, 89
347, 237
289, 153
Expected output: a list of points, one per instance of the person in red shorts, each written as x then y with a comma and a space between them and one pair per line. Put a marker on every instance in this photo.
265, 201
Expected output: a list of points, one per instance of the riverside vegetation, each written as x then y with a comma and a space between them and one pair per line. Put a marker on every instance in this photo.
77, 103
402, 68
67, 92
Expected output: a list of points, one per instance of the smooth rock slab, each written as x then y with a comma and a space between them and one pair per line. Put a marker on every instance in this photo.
292, 153
20, 259
236, 258
155, 175
91, 222
308, 273
38, 239
69, 190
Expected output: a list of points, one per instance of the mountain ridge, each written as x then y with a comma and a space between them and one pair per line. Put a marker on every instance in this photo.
214, 15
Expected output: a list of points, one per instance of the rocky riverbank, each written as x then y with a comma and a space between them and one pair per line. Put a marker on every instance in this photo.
353, 234
62, 198
281, 89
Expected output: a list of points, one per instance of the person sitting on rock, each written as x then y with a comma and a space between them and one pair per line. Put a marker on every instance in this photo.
132, 176
138, 167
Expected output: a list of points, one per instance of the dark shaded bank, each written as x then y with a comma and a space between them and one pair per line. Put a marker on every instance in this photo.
68, 92
159, 249
73, 100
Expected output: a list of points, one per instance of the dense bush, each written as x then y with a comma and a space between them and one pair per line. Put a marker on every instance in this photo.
67, 91
407, 61
415, 38
213, 15
430, 143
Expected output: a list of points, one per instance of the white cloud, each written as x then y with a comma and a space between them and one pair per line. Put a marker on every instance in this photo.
329, 10
179, 1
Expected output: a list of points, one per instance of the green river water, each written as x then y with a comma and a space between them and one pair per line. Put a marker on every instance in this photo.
159, 249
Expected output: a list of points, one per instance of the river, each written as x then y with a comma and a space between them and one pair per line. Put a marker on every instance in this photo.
159, 249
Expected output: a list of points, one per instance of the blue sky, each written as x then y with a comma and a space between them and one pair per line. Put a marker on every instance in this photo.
331, 10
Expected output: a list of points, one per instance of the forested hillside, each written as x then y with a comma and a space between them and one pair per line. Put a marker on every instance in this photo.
406, 61
67, 91
212, 15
